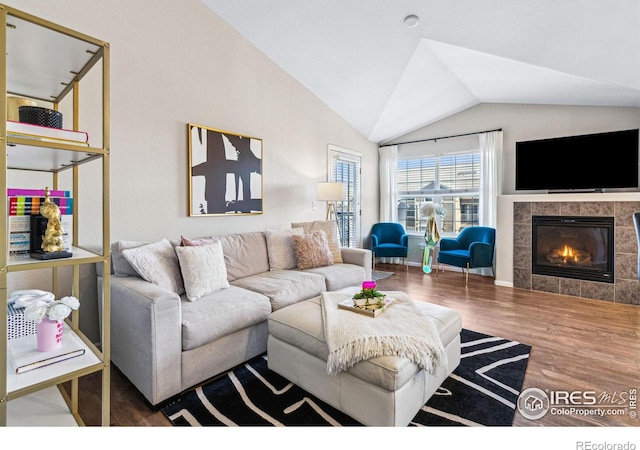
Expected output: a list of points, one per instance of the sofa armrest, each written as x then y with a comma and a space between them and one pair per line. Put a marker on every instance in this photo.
146, 336
359, 257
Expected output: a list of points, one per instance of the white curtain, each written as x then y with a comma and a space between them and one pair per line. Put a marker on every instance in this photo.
490, 180
388, 189
388, 185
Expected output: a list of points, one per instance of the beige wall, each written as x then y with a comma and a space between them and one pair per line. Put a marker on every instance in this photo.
174, 62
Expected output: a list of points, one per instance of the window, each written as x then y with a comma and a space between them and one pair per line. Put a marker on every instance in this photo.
344, 166
451, 180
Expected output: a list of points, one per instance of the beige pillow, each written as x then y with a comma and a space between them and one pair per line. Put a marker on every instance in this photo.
203, 269
187, 242
330, 228
312, 250
280, 248
158, 264
121, 266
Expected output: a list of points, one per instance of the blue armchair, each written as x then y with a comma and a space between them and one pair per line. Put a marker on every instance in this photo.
389, 240
473, 248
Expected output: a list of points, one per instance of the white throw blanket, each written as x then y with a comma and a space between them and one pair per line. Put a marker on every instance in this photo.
402, 330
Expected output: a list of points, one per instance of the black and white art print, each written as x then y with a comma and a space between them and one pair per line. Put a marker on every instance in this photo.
225, 172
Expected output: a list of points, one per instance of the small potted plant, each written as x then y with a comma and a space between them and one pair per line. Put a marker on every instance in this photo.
369, 296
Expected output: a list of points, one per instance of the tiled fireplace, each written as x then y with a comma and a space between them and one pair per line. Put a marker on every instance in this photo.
599, 236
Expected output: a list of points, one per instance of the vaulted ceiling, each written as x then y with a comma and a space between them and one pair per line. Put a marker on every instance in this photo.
386, 78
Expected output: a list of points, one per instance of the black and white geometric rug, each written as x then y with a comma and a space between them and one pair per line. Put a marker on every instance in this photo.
482, 391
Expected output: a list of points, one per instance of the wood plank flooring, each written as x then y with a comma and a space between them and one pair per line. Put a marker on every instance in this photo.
577, 344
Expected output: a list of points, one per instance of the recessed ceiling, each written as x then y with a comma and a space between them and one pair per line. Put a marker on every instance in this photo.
387, 79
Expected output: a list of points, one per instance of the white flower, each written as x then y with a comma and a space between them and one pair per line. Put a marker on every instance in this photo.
36, 311
58, 311
430, 210
71, 302
55, 310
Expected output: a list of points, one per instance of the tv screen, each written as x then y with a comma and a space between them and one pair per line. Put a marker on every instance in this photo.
587, 162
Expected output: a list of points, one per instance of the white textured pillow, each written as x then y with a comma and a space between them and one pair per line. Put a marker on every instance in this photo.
158, 264
203, 269
120, 265
330, 228
280, 248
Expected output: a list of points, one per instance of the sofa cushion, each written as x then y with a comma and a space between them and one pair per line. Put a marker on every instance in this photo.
280, 248
221, 313
158, 264
121, 266
188, 242
203, 269
245, 254
284, 287
312, 250
338, 276
331, 230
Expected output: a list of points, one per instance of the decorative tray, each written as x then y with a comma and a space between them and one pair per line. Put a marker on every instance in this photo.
369, 310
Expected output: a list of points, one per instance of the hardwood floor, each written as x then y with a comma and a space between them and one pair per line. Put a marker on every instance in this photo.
577, 345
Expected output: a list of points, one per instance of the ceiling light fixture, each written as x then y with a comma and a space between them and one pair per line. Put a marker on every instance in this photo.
411, 20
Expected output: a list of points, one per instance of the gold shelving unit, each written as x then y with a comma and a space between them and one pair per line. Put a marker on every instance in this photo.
46, 62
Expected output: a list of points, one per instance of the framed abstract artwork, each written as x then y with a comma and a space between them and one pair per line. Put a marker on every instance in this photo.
225, 172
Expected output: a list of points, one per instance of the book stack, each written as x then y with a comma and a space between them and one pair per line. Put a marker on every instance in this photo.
47, 134
22, 203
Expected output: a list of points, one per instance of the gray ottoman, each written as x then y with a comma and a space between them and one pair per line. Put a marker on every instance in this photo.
382, 391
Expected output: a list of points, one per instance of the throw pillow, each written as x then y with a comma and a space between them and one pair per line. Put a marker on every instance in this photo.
121, 266
158, 264
203, 269
331, 230
312, 250
280, 248
186, 242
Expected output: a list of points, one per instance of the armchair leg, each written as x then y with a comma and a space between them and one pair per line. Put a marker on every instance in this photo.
466, 278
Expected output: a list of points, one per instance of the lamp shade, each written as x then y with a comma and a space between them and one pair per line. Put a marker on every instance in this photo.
331, 191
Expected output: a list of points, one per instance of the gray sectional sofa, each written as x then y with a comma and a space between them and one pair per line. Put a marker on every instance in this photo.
165, 342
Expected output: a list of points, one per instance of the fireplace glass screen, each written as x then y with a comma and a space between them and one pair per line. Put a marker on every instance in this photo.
573, 247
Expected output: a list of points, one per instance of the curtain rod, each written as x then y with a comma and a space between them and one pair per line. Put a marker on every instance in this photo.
443, 137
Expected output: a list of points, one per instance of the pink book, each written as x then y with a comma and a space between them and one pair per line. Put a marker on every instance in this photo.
29, 130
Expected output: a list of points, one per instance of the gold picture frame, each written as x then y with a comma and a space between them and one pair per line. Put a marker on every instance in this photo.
225, 172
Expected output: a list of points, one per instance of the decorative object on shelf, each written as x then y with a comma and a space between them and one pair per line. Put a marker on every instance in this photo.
14, 104
50, 239
429, 211
49, 316
49, 335
17, 324
225, 172
331, 192
37, 115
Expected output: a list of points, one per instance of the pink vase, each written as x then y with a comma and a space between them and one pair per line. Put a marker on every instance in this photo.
49, 334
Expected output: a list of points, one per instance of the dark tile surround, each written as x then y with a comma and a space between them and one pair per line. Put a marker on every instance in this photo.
626, 287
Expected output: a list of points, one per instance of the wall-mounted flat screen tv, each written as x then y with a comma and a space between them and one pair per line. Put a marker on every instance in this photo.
590, 162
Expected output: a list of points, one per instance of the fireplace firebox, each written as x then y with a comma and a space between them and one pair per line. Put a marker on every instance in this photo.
573, 247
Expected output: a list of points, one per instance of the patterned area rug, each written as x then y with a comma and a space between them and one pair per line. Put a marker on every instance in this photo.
380, 274
482, 391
